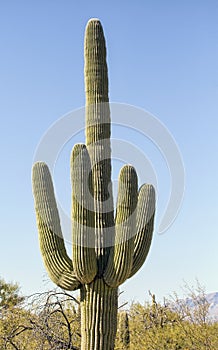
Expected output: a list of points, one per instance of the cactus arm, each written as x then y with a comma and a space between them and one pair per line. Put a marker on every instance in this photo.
56, 260
121, 256
84, 258
98, 137
144, 226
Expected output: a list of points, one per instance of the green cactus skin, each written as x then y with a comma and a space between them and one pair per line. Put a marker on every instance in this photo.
96, 267
98, 136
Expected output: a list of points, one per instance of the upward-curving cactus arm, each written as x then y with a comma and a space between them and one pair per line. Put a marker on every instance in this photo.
144, 226
121, 256
58, 265
83, 235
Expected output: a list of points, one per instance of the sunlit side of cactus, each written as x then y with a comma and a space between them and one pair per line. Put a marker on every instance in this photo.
106, 249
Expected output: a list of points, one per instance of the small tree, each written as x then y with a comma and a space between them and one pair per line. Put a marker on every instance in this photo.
43, 321
55, 320
9, 294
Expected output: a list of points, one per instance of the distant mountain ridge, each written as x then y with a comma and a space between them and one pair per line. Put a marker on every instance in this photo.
212, 299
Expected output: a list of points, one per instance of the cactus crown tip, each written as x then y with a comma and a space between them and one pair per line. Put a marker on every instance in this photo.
94, 20
94, 23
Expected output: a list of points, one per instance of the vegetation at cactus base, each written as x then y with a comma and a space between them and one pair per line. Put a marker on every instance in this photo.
51, 321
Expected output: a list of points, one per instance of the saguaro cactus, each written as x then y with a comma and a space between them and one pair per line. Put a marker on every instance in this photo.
106, 249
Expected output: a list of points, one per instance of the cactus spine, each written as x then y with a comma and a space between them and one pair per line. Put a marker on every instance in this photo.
106, 250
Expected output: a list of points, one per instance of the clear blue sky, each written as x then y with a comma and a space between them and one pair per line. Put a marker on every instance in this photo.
162, 57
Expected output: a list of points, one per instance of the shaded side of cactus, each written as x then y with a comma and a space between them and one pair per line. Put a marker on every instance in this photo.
106, 250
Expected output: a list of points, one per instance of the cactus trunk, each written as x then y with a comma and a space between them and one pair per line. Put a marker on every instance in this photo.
98, 315
106, 250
